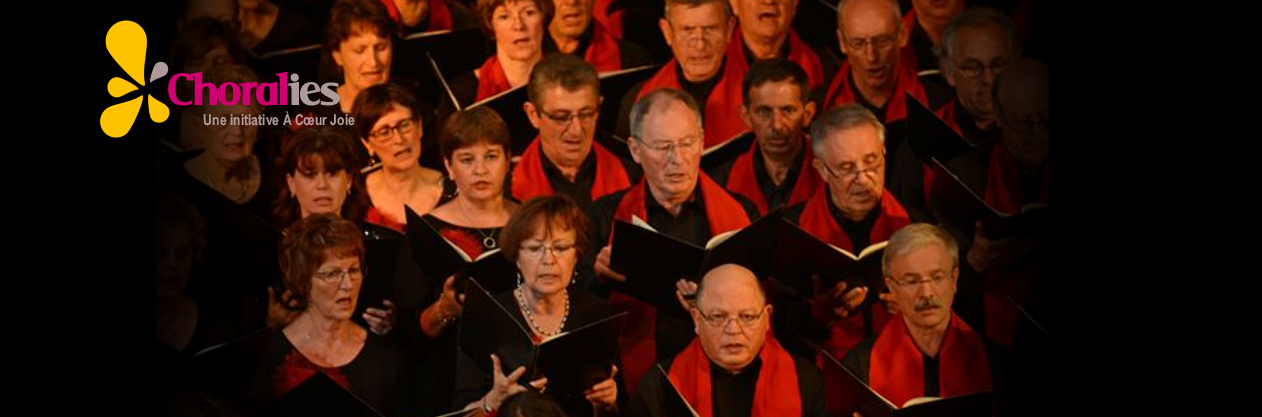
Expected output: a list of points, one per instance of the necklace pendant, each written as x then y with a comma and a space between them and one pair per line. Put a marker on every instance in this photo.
489, 242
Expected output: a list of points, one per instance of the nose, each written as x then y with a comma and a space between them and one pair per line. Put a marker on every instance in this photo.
322, 181
732, 326
518, 22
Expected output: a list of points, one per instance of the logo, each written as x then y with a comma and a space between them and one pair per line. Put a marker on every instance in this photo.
127, 42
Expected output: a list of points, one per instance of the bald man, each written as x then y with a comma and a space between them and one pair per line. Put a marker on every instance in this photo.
734, 367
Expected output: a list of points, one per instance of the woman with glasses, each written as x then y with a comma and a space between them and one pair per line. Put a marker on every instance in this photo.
321, 258
545, 239
389, 126
228, 163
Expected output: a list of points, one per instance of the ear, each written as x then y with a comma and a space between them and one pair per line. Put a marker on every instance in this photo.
367, 146
819, 167
633, 145
903, 36
337, 56
289, 182
447, 165
808, 113
841, 41
667, 31
745, 116
696, 320
948, 71
532, 114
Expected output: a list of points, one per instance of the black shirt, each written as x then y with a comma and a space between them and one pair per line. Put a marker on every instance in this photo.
733, 394
630, 55
860, 232
776, 195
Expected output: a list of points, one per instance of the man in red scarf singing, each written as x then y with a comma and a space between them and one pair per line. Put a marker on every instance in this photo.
852, 212
564, 105
735, 366
677, 200
927, 351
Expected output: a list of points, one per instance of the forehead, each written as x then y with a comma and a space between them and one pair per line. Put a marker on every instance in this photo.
982, 43
480, 147
557, 231
514, 6
1029, 94
670, 120
775, 93
730, 294
709, 14
749, 6
923, 259
334, 257
396, 112
556, 97
852, 144
363, 33
863, 18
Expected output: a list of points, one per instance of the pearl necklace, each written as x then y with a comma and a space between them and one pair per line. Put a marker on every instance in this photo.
530, 317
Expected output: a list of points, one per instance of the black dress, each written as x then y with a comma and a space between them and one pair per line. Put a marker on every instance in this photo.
371, 376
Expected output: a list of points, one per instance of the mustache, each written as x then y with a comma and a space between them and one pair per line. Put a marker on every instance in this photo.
927, 303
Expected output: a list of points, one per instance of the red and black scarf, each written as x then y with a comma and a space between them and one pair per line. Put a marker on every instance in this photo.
529, 180
603, 52
799, 53
841, 92
744, 180
1004, 189
776, 392
491, 79
897, 368
439, 15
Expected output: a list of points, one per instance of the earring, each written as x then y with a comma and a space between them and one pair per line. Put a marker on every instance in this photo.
574, 279
519, 280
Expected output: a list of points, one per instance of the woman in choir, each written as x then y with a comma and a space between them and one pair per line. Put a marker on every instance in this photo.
518, 28
388, 121
359, 40
321, 258
545, 239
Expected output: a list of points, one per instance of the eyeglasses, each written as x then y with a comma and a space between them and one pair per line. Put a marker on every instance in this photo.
767, 112
337, 275
537, 251
563, 119
936, 279
404, 128
881, 43
720, 320
974, 69
666, 147
850, 170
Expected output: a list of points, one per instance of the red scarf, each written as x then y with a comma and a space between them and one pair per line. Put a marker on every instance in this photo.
638, 341
603, 52
818, 220
439, 15
744, 181
897, 368
722, 109
464, 239
1004, 189
895, 109
376, 217
611, 20
491, 79
799, 53
530, 181
775, 394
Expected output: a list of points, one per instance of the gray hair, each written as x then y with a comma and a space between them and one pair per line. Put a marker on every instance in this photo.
916, 236
973, 18
642, 106
898, 14
727, 7
840, 118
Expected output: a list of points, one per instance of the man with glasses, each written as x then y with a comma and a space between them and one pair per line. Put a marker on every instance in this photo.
928, 351
977, 45
735, 366
852, 211
698, 33
564, 105
677, 200
775, 170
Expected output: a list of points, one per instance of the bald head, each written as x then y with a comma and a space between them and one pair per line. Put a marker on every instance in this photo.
730, 280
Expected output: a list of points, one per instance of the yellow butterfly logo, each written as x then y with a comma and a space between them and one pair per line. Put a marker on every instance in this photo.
127, 42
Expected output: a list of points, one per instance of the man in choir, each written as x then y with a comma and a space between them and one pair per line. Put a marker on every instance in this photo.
766, 31
870, 33
574, 32
735, 366
564, 105
927, 351
851, 212
976, 47
775, 171
698, 32
677, 200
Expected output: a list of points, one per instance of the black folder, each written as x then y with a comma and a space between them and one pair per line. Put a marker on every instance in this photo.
964, 205
931, 137
798, 255
440, 258
859, 396
572, 361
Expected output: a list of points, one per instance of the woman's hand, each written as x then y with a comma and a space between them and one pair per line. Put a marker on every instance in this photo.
504, 387
381, 321
604, 394
450, 304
